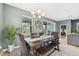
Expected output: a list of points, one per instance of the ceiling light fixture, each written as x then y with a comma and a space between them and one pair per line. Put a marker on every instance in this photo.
38, 14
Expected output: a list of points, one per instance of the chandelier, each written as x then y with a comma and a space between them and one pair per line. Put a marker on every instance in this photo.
38, 20
39, 14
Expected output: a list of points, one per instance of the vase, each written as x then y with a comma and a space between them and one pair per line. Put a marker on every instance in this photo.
10, 48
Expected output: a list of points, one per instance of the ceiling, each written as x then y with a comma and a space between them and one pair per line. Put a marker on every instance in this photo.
56, 11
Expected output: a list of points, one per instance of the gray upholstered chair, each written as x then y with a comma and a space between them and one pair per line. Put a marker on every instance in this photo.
23, 45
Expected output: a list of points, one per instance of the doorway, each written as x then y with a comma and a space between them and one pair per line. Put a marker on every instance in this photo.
63, 30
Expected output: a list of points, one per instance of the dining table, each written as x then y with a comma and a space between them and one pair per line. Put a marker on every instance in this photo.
35, 43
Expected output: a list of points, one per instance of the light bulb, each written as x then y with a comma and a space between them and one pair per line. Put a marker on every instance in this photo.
39, 16
39, 11
32, 13
43, 14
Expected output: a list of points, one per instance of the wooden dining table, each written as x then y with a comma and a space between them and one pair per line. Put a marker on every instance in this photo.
35, 43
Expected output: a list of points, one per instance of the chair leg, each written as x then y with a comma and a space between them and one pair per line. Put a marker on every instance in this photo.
57, 48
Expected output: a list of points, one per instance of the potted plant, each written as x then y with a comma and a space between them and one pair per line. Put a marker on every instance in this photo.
10, 35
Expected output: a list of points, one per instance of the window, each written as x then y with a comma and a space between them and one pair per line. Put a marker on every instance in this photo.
26, 26
77, 26
51, 26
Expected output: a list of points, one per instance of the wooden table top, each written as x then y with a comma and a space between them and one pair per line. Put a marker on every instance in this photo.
41, 38
37, 41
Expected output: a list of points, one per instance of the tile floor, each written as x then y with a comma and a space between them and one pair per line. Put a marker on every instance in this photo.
66, 50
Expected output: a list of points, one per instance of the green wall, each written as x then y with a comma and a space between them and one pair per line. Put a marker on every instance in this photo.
1, 23
13, 16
